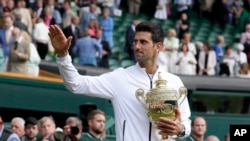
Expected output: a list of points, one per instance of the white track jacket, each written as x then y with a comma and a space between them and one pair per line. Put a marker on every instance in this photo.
119, 86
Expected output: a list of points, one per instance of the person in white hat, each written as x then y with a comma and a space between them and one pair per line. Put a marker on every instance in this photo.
240, 57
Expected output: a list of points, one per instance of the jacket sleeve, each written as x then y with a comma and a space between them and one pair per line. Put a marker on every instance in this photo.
97, 86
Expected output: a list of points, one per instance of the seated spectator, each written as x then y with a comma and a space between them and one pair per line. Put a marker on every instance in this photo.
207, 60
228, 62
240, 57
17, 126
47, 128
31, 129
186, 61
198, 129
96, 122
212, 138
6, 134
73, 129
244, 71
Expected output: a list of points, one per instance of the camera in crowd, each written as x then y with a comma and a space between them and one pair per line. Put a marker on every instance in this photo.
74, 131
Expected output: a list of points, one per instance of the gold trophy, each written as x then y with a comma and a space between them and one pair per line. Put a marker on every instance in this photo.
161, 100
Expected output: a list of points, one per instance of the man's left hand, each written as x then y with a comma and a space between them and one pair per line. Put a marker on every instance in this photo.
170, 126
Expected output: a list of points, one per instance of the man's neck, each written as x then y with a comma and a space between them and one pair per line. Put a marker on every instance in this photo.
149, 67
198, 138
27, 139
93, 134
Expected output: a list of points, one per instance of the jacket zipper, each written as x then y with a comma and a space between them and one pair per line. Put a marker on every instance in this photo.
123, 129
150, 124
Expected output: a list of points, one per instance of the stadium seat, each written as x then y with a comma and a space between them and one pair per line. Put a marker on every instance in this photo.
113, 62
126, 63
123, 56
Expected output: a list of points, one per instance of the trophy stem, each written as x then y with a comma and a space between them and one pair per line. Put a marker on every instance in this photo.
164, 138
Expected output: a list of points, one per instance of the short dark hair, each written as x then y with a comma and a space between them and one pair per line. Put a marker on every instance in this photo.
207, 45
30, 120
156, 31
228, 47
92, 114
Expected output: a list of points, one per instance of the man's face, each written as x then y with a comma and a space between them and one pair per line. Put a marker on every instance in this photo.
31, 131
144, 48
67, 127
17, 128
1, 123
199, 128
98, 123
47, 128
8, 22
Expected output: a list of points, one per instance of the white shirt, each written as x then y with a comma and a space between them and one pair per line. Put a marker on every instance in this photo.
119, 86
241, 57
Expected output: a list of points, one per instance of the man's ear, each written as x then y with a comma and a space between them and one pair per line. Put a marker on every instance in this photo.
159, 46
89, 122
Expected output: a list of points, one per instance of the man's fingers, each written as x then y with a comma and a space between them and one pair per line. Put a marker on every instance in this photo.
165, 123
69, 40
177, 114
52, 32
58, 30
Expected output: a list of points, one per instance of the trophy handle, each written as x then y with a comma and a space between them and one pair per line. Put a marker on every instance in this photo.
139, 96
182, 91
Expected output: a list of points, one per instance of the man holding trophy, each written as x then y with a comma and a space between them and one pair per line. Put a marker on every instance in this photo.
162, 114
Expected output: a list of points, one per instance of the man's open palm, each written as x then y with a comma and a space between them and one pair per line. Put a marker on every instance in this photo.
59, 41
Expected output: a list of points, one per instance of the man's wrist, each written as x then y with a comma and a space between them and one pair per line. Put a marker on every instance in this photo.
183, 130
62, 54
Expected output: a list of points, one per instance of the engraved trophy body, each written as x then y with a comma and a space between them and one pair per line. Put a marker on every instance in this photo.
161, 100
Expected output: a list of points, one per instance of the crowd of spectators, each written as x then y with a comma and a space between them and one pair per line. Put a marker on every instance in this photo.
91, 22
24, 40
25, 24
45, 128
183, 56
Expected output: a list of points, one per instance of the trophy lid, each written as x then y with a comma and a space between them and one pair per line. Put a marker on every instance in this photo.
161, 91
160, 82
